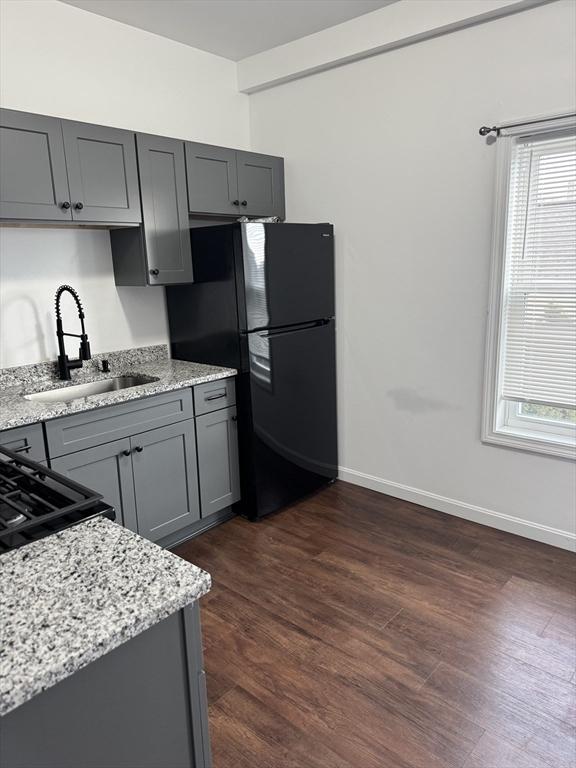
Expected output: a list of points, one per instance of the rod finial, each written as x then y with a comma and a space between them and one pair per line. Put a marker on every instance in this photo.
485, 130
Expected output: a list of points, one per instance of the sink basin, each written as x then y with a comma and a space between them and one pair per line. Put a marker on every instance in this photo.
78, 391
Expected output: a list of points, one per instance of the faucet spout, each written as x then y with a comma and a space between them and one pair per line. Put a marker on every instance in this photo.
64, 364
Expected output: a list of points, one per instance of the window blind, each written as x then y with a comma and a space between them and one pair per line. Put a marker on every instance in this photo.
539, 303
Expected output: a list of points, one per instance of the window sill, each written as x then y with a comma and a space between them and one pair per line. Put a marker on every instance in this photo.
510, 437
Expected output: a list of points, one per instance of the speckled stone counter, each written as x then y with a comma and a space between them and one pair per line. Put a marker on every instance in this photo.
153, 362
72, 597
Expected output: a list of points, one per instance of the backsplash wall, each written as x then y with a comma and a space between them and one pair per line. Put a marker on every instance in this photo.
34, 262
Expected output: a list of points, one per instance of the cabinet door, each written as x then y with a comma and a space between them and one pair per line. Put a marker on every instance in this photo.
165, 212
261, 184
33, 181
219, 476
212, 179
102, 173
106, 469
165, 479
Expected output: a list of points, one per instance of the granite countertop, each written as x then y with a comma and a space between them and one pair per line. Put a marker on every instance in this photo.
76, 595
153, 362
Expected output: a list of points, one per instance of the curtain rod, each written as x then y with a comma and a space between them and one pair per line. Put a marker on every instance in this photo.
485, 130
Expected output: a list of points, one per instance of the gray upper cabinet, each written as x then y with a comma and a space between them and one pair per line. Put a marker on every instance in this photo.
65, 171
212, 179
230, 182
106, 469
33, 180
218, 469
166, 230
158, 253
165, 479
261, 184
102, 173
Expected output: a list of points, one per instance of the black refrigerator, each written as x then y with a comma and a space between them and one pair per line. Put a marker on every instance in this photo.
262, 301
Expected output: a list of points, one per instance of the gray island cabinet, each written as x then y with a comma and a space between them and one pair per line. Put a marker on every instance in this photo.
104, 666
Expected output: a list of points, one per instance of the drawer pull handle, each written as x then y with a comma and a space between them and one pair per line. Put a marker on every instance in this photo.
139, 449
23, 449
215, 397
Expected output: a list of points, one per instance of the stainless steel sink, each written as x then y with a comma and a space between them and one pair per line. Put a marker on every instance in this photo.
78, 391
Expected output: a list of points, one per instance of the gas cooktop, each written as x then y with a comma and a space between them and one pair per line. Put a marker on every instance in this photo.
35, 501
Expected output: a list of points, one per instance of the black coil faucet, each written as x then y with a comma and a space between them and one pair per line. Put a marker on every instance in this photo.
65, 365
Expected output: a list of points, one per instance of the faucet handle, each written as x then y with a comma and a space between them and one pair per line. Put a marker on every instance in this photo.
85, 348
105, 366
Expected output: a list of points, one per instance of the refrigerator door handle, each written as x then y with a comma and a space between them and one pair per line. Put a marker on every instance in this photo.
266, 334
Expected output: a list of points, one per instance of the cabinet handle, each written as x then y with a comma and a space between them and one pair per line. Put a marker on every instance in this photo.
126, 453
139, 449
235, 202
78, 206
215, 397
65, 205
155, 272
23, 449
234, 418
244, 202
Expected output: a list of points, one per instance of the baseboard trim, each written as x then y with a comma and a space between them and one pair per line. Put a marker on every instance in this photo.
536, 531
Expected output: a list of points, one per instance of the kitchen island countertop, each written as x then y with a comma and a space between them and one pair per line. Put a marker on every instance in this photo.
72, 597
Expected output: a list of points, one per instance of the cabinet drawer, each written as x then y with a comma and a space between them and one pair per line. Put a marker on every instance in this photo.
85, 430
214, 395
27, 441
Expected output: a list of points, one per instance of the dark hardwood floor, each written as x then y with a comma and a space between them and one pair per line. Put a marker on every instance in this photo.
354, 630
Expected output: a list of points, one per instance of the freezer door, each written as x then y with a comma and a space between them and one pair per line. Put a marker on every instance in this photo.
289, 423
287, 274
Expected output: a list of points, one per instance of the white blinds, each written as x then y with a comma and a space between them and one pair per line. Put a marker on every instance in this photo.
539, 308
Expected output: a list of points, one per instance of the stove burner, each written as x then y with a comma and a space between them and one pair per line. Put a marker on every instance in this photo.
35, 501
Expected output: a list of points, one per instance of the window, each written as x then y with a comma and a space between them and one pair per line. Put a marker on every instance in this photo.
530, 397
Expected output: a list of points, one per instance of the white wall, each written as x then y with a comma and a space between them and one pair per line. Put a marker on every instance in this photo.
37, 261
58, 60
388, 149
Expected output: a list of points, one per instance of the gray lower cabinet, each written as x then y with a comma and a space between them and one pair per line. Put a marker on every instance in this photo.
142, 705
261, 184
160, 468
104, 425
106, 469
159, 252
33, 180
27, 441
214, 395
217, 440
151, 479
165, 479
212, 179
102, 173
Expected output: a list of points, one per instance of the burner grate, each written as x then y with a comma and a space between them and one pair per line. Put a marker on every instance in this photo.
35, 501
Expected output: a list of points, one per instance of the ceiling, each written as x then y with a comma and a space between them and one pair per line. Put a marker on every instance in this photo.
234, 29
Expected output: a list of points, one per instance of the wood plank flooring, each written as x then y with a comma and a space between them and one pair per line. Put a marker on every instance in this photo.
354, 630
